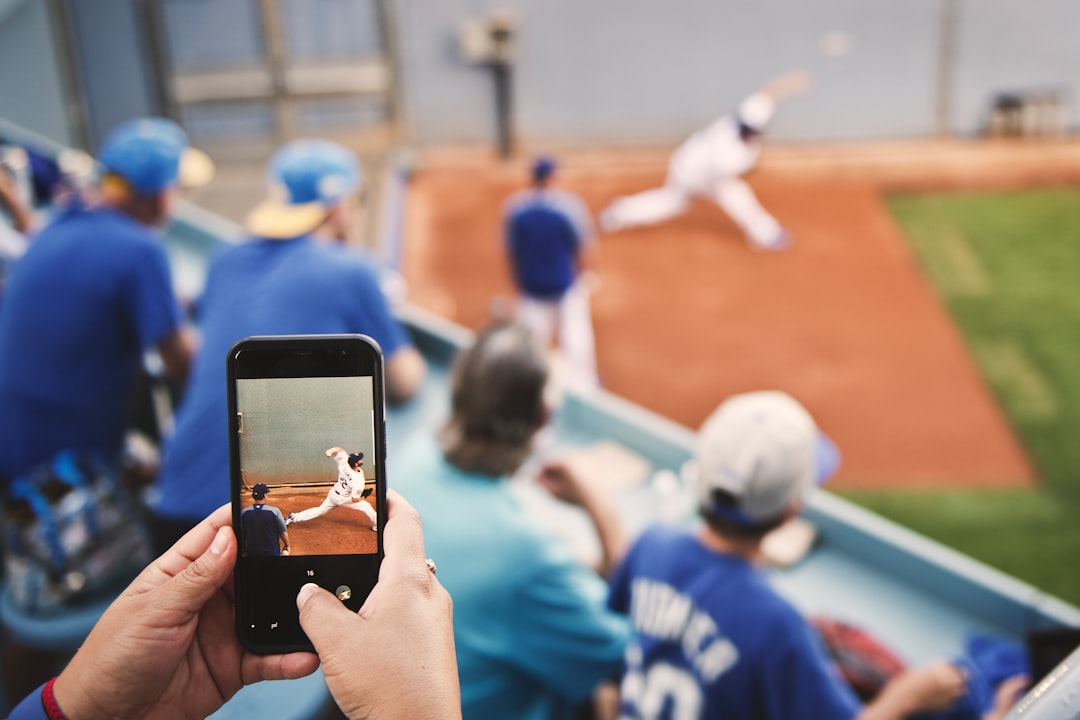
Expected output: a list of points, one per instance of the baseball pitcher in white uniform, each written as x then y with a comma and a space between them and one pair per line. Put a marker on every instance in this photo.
349, 490
710, 163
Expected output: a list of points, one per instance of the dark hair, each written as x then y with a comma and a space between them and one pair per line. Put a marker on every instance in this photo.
542, 170
496, 401
747, 132
727, 525
355, 458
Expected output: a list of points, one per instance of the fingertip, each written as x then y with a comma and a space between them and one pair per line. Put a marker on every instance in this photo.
305, 593
221, 541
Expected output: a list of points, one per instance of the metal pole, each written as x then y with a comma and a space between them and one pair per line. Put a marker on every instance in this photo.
949, 26
276, 59
395, 99
66, 49
502, 61
151, 19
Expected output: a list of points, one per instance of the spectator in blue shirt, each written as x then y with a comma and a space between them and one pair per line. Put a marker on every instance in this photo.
88, 298
293, 276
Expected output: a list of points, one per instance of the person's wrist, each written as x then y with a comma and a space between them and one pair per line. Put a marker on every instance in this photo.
49, 702
71, 702
902, 696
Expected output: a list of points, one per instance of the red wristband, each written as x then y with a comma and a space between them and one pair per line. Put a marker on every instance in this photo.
48, 701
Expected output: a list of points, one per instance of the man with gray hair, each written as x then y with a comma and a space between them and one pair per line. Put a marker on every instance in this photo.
532, 634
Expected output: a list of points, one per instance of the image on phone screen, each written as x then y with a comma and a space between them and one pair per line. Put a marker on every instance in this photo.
307, 451
309, 445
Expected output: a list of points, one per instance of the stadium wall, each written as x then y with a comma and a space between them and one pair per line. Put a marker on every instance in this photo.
638, 72
31, 81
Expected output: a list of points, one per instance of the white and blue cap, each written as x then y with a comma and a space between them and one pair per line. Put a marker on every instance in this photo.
306, 179
152, 155
764, 451
756, 111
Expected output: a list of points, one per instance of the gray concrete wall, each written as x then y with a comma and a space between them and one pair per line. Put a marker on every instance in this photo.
32, 90
289, 424
594, 72
1008, 46
639, 72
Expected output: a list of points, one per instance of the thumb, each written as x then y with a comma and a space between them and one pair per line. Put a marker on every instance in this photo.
322, 616
193, 587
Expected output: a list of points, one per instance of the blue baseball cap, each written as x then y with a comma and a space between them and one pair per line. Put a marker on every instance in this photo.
260, 489
153, 155
543, 167
306, 178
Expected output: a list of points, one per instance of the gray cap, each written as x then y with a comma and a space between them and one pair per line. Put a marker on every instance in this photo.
765, 450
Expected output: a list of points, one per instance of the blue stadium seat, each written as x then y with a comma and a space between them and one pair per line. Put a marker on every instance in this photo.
62, 632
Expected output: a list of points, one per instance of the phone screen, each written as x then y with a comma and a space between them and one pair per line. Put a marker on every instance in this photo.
307, 451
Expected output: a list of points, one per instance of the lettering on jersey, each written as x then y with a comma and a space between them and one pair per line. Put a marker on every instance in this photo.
661, 611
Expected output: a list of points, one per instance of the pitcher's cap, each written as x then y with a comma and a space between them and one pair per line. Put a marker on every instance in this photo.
306, 179
260, 489
763, 449
153, 155
756, 111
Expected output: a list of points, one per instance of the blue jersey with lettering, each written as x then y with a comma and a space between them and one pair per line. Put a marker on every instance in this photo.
545, 231
91, 294
713, 640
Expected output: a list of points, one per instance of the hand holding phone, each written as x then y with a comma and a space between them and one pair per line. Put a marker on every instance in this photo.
307, 454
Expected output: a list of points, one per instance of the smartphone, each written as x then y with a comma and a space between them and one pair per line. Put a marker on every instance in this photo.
307, 450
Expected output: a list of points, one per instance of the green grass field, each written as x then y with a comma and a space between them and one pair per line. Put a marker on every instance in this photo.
1007, 265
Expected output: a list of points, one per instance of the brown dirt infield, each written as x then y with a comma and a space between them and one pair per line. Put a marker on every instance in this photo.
686, 314
339, 531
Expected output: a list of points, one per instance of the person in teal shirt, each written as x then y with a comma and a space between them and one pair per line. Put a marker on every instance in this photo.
532, 631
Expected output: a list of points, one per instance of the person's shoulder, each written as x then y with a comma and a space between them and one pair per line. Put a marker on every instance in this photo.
665, 538
335, 259
520, 201
104, 223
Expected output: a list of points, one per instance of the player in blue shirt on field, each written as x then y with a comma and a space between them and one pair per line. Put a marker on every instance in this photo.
549, 236
262, 528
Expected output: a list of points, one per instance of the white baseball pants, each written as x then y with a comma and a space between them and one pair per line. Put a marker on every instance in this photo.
333, 500
571, 318
733, 196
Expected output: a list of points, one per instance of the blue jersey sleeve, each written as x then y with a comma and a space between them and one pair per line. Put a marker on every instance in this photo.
372, 311
800, 681
148, 296
31, 707
574, 642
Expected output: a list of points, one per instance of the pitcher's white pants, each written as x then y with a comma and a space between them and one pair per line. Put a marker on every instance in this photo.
733, 196
333, 500
571, 317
